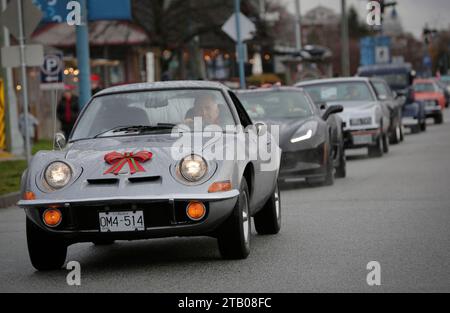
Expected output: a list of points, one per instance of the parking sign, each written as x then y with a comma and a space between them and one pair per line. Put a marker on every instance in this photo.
52, 71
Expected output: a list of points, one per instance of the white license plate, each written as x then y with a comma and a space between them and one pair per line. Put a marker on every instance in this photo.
121, 221
362, 139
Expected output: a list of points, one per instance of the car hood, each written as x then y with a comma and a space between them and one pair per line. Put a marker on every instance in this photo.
288, 127
427, 95
90, 176
355, 109
90, 154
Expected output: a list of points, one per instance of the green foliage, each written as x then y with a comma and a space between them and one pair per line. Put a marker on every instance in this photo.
10, 174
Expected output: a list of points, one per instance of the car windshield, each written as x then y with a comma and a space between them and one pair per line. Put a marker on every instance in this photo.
344, 92
276, 104
151, 112
445, 80
395, 80
424, 87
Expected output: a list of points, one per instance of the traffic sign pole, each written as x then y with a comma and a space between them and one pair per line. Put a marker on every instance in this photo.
83, 56
14, 137
23, 66
240, 46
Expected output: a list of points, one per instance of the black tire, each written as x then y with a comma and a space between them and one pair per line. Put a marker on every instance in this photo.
341, 170
329, 176
377, 150
233, 238
415, 129
402, 133
396, 136
103, 242
385, 141
438, 119
46, 251
268, 220
423, 126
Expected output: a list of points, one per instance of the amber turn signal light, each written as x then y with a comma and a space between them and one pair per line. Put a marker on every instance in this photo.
29, 196
220, 187
196, 211
52, 217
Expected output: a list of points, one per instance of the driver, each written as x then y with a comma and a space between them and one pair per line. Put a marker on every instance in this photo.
207, 108
352, 93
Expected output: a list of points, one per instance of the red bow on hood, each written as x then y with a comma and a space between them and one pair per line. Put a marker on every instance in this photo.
118, 161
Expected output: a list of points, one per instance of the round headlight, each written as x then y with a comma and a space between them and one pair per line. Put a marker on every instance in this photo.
193, 168
58, 175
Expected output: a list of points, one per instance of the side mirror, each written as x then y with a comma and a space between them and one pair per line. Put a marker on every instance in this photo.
382, 97
322, 106
334, 109
60, 141
261, 128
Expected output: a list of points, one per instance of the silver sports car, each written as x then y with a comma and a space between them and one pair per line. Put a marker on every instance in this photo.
367, 118
154, 160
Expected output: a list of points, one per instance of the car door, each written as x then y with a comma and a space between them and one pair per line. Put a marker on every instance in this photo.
265, 177
386, 101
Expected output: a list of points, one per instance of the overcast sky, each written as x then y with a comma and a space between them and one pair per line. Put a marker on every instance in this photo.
414, 14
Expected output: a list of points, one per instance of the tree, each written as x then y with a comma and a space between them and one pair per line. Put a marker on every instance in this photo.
172, 24
357, 29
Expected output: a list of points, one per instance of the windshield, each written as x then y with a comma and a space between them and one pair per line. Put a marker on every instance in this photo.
345, 92
276, 104
152, 112
424, 87
395, 80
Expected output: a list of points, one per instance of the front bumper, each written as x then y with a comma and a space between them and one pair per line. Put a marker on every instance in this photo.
308, 163
361, 138
164, 216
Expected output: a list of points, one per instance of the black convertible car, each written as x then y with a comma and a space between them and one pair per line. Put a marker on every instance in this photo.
311, 141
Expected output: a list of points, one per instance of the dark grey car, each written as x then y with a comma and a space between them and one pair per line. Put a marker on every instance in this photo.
312, 147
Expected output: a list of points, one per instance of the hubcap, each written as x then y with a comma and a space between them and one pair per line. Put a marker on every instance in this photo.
277, 206
245, 219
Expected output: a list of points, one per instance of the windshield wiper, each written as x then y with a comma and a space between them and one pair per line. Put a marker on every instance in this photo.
136, 129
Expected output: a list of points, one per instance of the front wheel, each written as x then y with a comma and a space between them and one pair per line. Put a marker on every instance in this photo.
329, 176
46, 251
438, 119
396, 136
385, 143
234, 235
341, 170
268, 220
377, 150
423, 125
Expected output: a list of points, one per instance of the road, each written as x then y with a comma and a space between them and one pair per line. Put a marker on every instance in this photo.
394, 210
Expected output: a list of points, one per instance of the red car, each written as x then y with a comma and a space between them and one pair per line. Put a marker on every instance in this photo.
428, 91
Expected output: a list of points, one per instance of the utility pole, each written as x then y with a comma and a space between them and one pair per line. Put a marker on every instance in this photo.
240, 46
298, 26
23, 67
14, 138
345, 53
83, 56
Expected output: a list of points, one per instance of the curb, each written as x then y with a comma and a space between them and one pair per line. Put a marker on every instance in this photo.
9, 200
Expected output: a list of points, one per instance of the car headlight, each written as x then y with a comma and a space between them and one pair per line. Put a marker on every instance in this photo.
307, 131
193, 168
361, 121
57, 175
